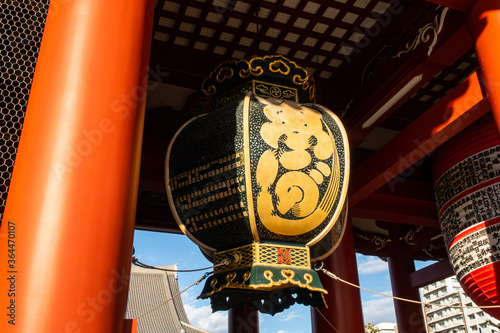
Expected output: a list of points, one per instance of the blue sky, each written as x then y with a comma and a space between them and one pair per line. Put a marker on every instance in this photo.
154, 248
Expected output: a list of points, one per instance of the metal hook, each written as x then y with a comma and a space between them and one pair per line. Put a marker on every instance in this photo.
320, 267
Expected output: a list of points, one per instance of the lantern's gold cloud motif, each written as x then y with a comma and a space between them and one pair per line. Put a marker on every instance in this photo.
299, 144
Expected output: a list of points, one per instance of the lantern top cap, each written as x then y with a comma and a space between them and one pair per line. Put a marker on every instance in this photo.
270, 76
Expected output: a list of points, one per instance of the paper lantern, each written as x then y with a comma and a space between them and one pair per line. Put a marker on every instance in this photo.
259, 181
467, 188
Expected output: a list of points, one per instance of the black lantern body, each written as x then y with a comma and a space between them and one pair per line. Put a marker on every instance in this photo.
259, 182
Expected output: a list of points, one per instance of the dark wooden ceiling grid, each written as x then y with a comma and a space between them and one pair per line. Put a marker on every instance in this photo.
248, 19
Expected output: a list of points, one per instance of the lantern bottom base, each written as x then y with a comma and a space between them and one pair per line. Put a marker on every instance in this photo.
268, 289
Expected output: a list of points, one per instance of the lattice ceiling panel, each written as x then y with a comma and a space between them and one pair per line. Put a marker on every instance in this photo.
322, 34
444, 81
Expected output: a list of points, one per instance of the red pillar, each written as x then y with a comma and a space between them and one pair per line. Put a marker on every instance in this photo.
344, 310
130, 326
484, 21
243, 320
409, 316
69, 219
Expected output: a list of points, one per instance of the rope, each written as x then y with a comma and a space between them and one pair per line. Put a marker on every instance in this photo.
136, 262
171, 298
335, 277
322, 315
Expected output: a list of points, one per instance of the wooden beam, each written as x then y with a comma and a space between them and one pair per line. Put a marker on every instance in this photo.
461, 107
414, 189
412, 203
409, 77
391, 208
152, 175
372, 244
460, 5
156, 219
432, 273
410, 82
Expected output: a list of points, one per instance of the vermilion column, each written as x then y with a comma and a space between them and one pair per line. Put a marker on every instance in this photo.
69, 219
344, 310
484, 21
409, 316
243, 319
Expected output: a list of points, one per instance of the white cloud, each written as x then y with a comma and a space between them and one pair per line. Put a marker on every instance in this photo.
203, 318
287, 316
371, 265
379, 309
188, 297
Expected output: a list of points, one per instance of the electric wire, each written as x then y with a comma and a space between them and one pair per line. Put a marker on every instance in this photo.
136, 262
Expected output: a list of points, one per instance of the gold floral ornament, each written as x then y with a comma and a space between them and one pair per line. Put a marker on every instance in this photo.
224, 73
279, 66
234, 78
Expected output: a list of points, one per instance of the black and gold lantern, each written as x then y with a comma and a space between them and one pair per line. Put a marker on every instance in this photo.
260, 182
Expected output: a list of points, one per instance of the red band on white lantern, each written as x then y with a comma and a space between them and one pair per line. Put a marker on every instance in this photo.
467, 188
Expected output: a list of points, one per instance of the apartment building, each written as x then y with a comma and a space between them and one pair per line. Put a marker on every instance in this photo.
453, 318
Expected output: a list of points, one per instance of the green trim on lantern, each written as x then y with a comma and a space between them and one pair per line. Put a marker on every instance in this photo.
263, 277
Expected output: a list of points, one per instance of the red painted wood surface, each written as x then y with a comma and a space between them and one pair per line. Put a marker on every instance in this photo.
74, 187
243, 319
130, 326
430, 274
409, 316
462, 106
345, 316
376, 94
484, 21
